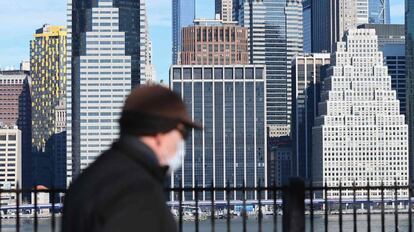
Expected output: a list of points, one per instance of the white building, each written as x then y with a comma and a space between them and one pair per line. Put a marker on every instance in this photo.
360, 135
107, 51
10, 162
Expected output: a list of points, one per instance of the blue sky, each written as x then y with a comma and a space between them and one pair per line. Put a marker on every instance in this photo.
19, 20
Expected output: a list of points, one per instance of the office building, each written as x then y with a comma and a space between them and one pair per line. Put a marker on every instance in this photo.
330, 20
211, 42
10, 162
105, 61
388, 34
307, 26
280, 161
229, 101
15, 109
224, 9
409, 68
308, 72
266, 20
360, 136
183, 15
48, 72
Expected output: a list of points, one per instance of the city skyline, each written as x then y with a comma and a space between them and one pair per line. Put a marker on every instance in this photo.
18, 28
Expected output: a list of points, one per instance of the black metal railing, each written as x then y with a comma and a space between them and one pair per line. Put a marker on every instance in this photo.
294, 207
297, 207
17, 206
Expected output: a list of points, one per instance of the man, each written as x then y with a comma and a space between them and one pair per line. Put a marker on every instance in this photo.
123, 189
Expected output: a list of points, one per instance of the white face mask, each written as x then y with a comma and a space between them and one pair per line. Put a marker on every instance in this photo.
175, 163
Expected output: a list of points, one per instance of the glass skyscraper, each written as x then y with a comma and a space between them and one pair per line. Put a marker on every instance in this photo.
307, 26
275, 37
183, 15
106, 58
409, 61
379, 11
229, 101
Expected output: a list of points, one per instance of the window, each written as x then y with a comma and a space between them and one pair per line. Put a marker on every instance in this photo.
218, 73
177, 74
187, 74
228, 73
198, 73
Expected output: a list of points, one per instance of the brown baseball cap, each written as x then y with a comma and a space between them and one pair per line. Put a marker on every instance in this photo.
152, 109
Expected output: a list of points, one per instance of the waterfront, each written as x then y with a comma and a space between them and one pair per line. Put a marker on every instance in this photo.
252, 224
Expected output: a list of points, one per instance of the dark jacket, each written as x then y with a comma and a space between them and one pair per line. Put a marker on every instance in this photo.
121, 191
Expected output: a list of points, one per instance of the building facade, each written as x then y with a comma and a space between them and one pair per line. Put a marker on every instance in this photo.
307, 26
360, 136
214, 43
48, 72
308, 72
280, 161
409, 59
106, 60
275, 31
10, 162
229, 101
388, 34
330, 20
15, 109
183, 15
224, 9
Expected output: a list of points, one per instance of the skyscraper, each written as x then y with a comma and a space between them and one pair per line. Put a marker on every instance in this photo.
224, 9
379, 11
229, 101
409, 61
360, 136
275, 37
330, 20
307, 26
15, 109
48, 72
105, 60
308, 72
183, 15
212, 42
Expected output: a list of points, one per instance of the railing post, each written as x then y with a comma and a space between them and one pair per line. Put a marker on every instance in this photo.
294, 206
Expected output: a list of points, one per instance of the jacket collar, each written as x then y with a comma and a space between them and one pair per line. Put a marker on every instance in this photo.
141, 154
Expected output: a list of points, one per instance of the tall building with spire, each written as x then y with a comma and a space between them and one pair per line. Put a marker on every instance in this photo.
360, 136
106, 59
183, 15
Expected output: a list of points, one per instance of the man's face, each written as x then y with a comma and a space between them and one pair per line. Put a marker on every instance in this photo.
168, 145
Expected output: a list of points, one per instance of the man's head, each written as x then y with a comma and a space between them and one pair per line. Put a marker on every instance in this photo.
158, 117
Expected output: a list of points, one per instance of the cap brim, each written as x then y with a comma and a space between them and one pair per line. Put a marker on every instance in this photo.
192, 125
